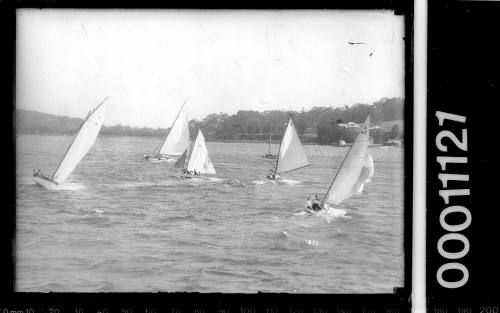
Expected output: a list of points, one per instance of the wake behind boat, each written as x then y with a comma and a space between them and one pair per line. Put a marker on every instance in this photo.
82, 142
291, 154
174, 143
355, 170
198, 162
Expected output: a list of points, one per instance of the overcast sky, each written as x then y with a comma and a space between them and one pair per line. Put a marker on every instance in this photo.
148, 62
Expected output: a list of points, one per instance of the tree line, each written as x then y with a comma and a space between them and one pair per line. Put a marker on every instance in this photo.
318, 125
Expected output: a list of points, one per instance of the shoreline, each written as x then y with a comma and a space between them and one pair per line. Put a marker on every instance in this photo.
159, 138
207, 140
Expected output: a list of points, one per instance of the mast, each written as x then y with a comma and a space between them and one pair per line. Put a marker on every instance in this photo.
76, 135
165, 139
340, 167
269, 148
270, 136
338, 171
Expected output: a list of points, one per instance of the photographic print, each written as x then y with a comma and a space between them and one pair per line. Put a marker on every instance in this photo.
231, 151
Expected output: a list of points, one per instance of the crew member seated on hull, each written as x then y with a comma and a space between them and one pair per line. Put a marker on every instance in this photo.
272, 174
308, 204
38, 173
316, 205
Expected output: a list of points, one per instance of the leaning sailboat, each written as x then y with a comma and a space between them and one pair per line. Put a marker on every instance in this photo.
355, 170
198, 161
175, 142
82, 142
291, 154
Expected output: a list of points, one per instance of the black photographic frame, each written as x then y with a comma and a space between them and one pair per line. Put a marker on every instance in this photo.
397, 302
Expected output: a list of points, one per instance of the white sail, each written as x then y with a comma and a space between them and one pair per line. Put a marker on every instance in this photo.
199, 160
291, 155
356, 169
83, 141
366, 174
177, 139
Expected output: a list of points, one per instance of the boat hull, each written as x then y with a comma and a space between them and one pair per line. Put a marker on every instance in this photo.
160, 158
188, 176
270, 156
46, 183
327, 210
273, 178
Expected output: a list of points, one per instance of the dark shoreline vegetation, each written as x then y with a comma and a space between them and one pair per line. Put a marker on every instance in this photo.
319, 125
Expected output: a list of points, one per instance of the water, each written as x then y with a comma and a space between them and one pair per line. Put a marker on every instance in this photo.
121, 224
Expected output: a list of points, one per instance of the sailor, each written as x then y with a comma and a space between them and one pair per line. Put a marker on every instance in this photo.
308, 203
315, 205
271, 174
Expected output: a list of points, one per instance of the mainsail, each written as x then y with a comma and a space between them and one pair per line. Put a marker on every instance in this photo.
177, 140
356, 169
291, 154
82, 142
199, 160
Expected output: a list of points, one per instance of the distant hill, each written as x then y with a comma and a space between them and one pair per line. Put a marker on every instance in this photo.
33, 122
318, 125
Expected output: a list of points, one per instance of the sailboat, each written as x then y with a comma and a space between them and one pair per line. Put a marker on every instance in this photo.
268, 154
198, 161
175, 142
291, 154
355, 170
81, 144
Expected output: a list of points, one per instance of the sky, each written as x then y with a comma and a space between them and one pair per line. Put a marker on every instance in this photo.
150, 61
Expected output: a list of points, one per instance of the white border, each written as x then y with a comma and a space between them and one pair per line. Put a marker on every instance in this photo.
419, 157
